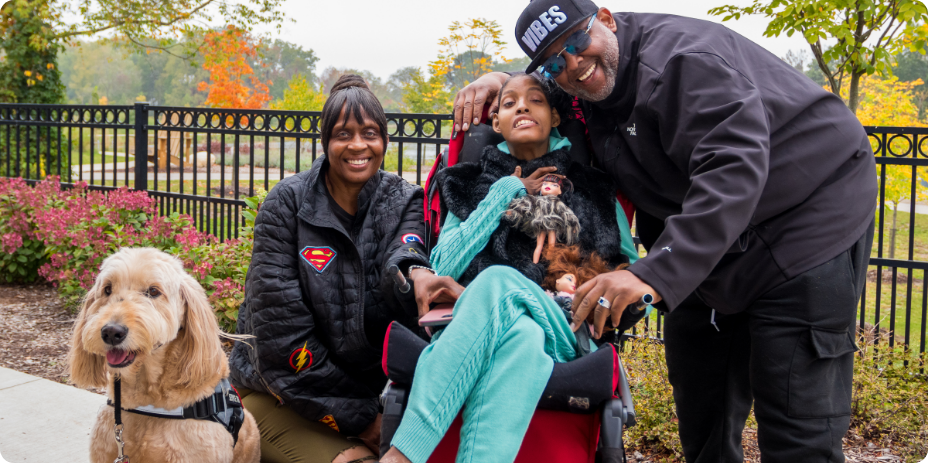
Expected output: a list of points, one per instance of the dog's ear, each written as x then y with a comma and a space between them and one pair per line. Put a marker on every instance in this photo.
86, 369
201, 356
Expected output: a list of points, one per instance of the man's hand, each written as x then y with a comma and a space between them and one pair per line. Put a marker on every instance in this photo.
533, 182
469, 102
621, 288
433, 288
371, 435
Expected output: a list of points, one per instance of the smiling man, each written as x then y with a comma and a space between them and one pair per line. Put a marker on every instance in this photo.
755, 193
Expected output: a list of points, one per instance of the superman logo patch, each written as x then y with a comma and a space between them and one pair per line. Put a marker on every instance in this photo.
319, 257
329, 420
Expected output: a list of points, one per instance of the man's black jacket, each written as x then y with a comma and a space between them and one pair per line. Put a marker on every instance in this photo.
755, 172
307, 290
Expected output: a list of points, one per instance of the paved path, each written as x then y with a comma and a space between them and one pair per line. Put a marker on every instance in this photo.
43, 421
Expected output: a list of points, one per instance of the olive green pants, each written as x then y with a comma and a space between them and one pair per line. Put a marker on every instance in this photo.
288, 438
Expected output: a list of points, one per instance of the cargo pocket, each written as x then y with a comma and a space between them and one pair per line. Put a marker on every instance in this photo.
820, 375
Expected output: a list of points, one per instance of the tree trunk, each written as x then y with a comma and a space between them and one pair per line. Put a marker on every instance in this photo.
853, 95
892, 233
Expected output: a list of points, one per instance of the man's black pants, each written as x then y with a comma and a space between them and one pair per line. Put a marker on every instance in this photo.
790, 352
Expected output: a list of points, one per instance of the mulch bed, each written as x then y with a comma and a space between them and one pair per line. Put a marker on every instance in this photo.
35, 335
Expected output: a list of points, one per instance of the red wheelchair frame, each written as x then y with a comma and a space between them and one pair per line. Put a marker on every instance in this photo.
586, 402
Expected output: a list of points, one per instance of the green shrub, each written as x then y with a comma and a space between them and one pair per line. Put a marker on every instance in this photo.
890, 401
656, 429
64, 236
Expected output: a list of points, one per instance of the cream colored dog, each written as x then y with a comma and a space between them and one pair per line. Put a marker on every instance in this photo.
149, 322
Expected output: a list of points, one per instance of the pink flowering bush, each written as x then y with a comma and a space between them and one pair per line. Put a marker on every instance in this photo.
63, 235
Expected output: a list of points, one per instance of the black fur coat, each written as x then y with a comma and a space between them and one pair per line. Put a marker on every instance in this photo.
464, 185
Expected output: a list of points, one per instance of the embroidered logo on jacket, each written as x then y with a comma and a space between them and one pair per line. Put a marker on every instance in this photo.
329, 420
410, 237
301, 358
318, 256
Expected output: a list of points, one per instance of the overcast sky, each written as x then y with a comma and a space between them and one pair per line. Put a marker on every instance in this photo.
384, 35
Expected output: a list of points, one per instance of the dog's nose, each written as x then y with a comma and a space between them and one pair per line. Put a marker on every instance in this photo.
114, 334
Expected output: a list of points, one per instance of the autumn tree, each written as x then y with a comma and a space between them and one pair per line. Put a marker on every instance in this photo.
300, 96
29, 74
469, 51
153, 25
225, 55
427, 94
866, 34
29, 62
888, 102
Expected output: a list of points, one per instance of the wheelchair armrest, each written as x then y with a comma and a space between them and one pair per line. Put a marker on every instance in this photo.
393, 400
579, 386
401, 350
625, 396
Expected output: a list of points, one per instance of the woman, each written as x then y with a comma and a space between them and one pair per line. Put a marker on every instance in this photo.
318, 298
494, 359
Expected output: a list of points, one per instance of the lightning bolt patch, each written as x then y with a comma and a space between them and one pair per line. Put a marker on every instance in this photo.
301, 359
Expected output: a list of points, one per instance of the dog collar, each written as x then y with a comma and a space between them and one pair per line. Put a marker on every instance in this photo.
224, 406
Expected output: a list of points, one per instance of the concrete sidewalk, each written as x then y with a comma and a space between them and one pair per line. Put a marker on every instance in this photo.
44, 421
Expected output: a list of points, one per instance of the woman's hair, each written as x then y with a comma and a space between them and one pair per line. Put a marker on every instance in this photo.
570, 259
351, 93
557, 98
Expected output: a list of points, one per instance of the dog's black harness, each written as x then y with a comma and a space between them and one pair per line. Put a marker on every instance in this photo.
224, 406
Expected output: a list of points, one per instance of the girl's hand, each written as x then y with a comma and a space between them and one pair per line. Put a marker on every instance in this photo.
433, 288
533, 182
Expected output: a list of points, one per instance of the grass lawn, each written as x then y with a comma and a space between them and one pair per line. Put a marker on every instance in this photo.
107, 159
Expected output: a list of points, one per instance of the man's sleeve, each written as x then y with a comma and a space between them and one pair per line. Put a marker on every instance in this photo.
713, 125
291, 359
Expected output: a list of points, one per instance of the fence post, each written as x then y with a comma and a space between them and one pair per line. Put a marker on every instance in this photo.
141, 146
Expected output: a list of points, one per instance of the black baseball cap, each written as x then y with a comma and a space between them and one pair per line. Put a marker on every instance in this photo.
542, 22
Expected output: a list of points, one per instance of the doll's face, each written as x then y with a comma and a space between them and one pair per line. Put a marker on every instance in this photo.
550, 189
567, 283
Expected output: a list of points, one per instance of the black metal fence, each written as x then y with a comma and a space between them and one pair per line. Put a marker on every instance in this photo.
195, 161
201, 162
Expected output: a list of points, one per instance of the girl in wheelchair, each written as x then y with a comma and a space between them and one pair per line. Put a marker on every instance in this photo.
493, 360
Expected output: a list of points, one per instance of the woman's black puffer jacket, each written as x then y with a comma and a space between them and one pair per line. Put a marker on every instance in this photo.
307, 290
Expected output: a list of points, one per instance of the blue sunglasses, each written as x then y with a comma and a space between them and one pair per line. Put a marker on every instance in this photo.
578, 42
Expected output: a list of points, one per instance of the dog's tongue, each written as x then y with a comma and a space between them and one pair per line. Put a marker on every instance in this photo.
116, 356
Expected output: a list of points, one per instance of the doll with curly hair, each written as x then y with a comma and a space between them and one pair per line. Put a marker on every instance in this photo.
568, 268
545, 215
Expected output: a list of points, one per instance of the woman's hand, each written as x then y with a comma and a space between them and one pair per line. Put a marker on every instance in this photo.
371, 435
433, 288
533, 182
621, 288
469, 102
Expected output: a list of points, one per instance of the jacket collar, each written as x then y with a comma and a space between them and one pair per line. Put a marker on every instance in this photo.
498, 164
314, 206
555, 141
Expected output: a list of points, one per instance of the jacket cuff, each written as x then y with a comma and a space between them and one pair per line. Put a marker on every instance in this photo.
643, 271
416, 438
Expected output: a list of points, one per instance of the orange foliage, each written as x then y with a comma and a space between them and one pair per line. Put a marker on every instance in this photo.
226, 56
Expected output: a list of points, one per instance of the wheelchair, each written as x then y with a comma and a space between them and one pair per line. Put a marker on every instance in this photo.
586, 403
